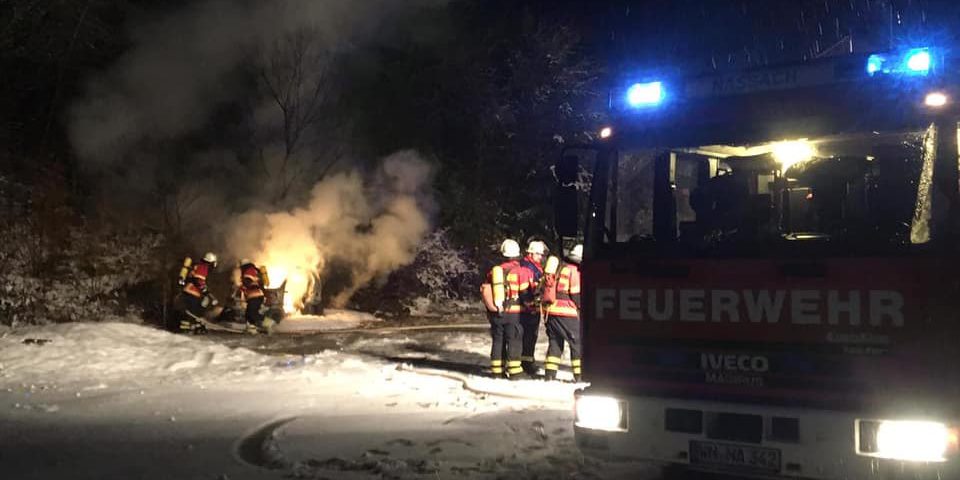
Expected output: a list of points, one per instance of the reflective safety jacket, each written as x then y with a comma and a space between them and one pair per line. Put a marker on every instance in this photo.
196, 283
509, 282
251, 282
565, 293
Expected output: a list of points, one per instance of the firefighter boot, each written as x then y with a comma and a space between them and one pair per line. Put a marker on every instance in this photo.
190, 325
549, 375
251, 329
267, 325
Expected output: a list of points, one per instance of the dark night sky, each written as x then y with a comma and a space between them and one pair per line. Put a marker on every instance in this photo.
705, 35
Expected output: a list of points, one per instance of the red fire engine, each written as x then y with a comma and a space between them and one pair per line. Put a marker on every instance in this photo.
770, 273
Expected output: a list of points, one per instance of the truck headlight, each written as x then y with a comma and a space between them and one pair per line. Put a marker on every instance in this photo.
908, 440
601, 413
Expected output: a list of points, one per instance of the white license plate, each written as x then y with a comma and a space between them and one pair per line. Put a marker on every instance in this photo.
737, 456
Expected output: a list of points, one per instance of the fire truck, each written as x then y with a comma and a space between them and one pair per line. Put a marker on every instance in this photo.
770, 273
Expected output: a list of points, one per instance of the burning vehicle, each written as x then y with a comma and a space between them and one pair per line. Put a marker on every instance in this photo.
287, 292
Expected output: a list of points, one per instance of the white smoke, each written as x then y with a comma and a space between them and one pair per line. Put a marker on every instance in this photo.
172, 87
373, 225
184, 65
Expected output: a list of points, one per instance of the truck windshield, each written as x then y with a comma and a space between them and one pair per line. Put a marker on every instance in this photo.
854, 192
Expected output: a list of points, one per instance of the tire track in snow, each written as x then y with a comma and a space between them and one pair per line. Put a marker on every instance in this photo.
258, 448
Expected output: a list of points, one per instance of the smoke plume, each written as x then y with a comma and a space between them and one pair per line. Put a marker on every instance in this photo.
373, 225
216, 123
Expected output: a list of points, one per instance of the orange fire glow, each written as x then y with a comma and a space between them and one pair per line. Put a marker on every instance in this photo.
297, 288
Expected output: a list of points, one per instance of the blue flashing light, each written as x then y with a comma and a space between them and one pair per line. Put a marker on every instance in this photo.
645, 94
918, 61
875, 63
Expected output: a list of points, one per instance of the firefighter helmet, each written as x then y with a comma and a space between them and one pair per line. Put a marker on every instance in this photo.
210, 258
245, 261
510, 248
576, 253
537, 247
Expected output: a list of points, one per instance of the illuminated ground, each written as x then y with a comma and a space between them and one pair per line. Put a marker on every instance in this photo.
128, 401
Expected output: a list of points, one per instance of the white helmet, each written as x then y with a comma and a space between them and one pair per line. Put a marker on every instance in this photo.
510, 248
576, 253
538, 247
210, 258
245, 261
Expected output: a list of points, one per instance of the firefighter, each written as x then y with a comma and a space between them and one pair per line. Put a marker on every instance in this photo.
195, 296
251, 288
532, 274
562, 297
500, 293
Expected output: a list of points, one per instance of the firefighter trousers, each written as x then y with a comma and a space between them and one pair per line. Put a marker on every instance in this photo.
252, 314
506, 346
193, 305
530, 326
190, 310
562, 331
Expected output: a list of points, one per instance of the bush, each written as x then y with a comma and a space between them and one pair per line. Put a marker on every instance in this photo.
58, 268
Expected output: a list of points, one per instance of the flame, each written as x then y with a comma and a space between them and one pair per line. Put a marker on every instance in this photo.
297, 288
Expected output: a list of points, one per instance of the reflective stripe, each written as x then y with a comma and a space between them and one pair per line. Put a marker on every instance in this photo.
496, 363
554, 359
496, 370
514, 363
193, 290
551, 366
564, 306
575, 362
576, 370
565, 283
515, 370
562, 309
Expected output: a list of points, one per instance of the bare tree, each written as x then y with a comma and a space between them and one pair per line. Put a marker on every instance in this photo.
295, 74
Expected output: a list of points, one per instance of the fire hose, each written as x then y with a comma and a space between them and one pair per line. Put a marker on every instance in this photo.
469, 384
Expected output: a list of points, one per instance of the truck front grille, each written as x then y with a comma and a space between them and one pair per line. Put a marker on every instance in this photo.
735, 427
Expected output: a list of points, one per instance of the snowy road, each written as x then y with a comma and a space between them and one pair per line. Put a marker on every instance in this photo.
129, 401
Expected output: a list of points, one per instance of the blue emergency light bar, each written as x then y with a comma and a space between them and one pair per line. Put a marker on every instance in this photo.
645, 94
661, 94
915, 61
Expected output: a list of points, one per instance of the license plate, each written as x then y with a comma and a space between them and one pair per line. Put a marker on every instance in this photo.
736, 456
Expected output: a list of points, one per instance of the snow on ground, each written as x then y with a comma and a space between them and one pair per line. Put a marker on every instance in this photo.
332, 319
128, 401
